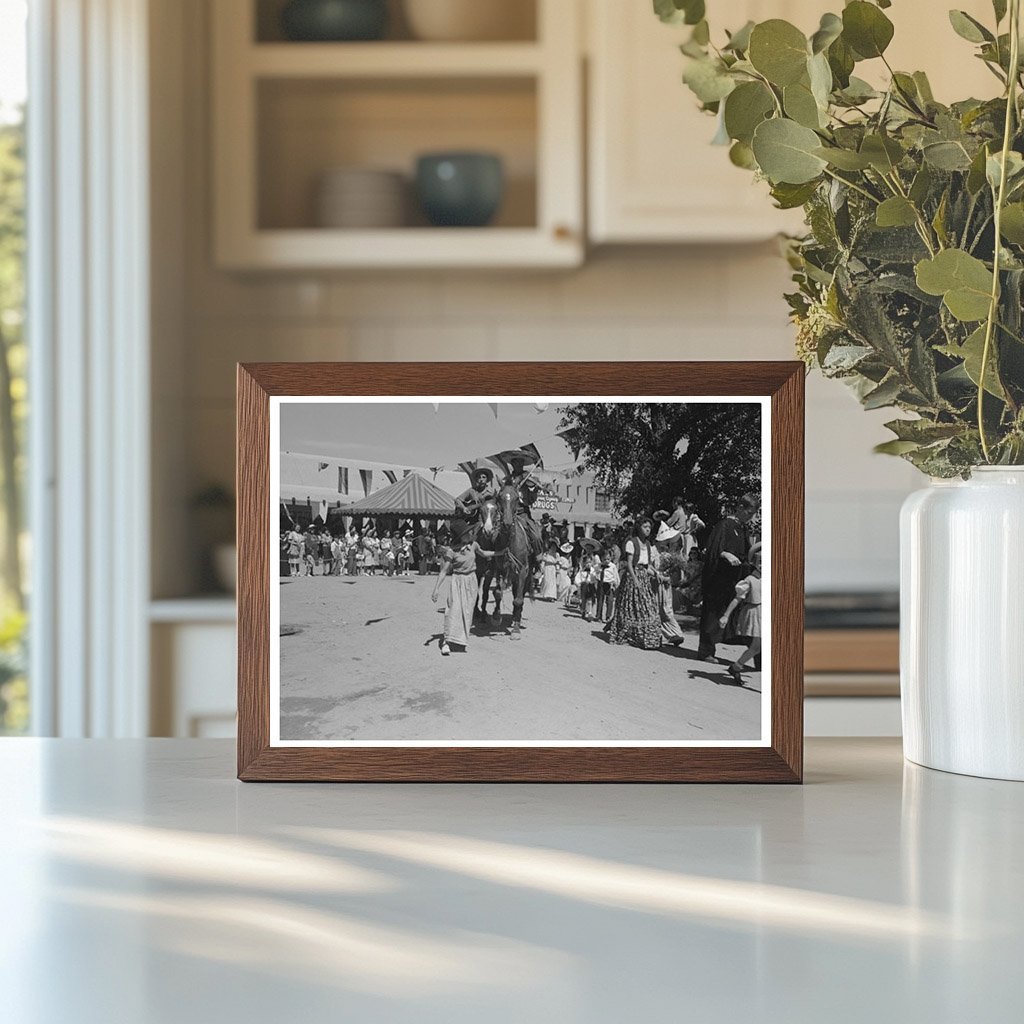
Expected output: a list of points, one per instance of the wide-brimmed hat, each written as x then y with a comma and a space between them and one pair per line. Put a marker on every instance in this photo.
590, 544
566, 548
665, 533
460, 531
489, 473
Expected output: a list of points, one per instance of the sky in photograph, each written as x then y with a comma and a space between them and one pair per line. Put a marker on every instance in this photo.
414, 435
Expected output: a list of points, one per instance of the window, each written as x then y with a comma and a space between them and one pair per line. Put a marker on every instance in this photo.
342, 480
14, 703
601, 501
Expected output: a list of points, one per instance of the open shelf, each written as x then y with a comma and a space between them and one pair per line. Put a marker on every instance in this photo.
308, 127
393, 60
286, 114
520, 17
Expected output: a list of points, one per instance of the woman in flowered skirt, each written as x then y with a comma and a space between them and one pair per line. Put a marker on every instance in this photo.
637, 620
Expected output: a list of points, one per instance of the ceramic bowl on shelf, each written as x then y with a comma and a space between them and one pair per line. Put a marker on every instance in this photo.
331, 21
470, 20
361, 198
460, 189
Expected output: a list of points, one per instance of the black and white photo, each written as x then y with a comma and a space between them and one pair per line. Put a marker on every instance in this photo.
542, 571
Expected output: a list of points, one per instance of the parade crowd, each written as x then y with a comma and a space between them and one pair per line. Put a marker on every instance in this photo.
634, 579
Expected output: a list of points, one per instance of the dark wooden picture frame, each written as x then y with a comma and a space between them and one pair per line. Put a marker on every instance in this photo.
781, 761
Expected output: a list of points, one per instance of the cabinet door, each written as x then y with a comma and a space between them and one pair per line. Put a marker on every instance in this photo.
653, 174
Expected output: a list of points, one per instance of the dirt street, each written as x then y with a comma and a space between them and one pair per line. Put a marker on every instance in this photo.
360, 661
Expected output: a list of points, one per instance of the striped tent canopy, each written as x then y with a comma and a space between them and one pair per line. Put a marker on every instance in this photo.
413, 495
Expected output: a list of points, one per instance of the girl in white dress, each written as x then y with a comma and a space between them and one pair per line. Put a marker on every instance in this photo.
549, 568
747, 606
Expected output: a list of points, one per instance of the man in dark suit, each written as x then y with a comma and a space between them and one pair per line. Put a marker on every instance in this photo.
727, 548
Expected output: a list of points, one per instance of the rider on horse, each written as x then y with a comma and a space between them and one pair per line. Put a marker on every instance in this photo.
528, 489
471, 500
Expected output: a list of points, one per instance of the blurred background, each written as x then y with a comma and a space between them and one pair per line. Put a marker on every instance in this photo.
246, 180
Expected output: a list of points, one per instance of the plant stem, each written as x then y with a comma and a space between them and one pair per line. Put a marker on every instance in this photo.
856, 188
993, 308
922, 225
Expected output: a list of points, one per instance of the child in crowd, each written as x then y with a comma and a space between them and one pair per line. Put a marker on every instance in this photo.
338, 553
311, 549
747, 625
294, 540
326, 552
607, 583
387, 554
585, 585
549, 572
459, 561
564, 573
692, 573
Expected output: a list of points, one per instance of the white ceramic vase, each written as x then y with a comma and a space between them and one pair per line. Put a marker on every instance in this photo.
962, 624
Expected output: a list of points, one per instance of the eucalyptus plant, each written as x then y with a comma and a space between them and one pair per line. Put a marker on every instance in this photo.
909, 280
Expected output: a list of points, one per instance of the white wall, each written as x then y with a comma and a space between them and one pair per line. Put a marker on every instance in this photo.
655, 303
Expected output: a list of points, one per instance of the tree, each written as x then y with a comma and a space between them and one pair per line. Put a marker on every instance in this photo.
12, 350
645, 454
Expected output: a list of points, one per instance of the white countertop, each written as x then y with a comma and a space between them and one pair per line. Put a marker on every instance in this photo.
143, 885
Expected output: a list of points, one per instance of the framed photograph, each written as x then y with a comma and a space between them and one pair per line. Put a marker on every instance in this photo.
551, 572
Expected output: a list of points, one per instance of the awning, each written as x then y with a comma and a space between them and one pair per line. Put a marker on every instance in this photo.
413, 495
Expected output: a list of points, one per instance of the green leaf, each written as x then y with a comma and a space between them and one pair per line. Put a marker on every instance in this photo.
923, 431
999, 7
1012, 224
844, 159
857, 91
785, 152
971, 352
883, 153
968, 28
963, 281
829, 30
946, 156
924, 88
895, 447
778, 50
896, 212
866, 29
820, 76
742, 155
676, 12
708, 80
789, 197
800, 105
701, 33
1014, 169
921, 185
841, 60
885, 394
976, 173
745, 108
939, 220
739, 41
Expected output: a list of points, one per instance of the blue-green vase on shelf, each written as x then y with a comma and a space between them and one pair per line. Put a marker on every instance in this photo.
329, 21
460, 189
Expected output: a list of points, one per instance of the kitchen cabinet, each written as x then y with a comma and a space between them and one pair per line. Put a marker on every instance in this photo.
287, 113
653, 175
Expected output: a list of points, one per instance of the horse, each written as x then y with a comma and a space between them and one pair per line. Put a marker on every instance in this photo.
489, 570
518, 555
